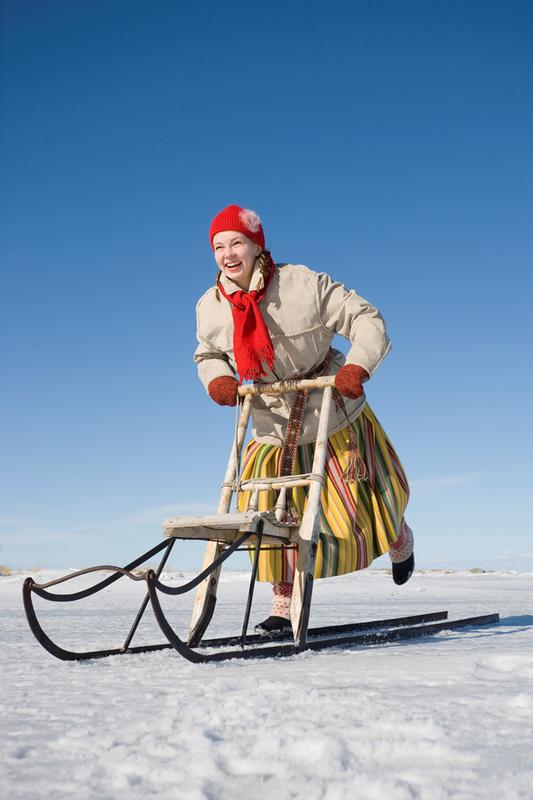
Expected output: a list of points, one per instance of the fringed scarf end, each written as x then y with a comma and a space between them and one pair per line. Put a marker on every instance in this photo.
291, 515
254, 360
355, 469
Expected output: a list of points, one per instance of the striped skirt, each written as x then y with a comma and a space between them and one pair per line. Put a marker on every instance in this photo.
358, 522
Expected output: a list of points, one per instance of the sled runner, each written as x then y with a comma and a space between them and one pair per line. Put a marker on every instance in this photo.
227, 532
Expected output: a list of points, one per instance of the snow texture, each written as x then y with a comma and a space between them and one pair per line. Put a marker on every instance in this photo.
449, 716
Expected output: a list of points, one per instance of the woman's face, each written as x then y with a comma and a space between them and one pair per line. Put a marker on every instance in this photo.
235, 255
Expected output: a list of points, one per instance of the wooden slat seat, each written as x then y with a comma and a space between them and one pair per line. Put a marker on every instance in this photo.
228, 527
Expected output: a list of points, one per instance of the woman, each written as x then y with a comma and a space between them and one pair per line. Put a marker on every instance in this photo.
268, 322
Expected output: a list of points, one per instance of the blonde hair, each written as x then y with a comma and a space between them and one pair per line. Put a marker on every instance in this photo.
264, 263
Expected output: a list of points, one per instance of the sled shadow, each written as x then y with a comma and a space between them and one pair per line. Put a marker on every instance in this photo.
524, 621
519, 624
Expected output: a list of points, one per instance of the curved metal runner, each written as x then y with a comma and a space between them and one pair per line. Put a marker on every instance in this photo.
30, 587
392, 630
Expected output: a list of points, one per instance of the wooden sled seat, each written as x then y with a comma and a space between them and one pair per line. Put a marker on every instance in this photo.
227, 528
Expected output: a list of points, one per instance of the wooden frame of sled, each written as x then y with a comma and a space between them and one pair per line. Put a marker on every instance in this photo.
228, 532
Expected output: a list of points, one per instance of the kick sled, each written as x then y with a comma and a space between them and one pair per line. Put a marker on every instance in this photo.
227, 532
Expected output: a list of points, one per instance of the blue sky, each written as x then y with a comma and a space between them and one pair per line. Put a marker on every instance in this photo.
386, 143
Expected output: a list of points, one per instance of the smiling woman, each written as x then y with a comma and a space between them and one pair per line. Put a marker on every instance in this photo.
268, 322
236, 255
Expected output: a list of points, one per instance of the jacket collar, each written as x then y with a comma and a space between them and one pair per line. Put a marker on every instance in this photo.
256, 283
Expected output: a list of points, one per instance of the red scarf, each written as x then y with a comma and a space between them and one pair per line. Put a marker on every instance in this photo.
251, 340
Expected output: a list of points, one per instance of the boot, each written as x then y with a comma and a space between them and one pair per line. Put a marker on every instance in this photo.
280, 615
402, 571
273, 625
402, 556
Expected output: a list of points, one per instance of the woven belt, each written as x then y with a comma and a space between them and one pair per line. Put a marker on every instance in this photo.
296, 417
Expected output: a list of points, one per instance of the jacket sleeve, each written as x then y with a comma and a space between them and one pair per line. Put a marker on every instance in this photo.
211, 361
344, 312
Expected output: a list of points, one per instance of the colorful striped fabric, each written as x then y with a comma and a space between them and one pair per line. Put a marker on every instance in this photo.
358, 522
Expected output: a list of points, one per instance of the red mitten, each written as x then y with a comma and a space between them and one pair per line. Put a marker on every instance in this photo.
223, 390
348, 380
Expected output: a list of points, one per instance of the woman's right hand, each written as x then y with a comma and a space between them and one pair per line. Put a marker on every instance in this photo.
223, 390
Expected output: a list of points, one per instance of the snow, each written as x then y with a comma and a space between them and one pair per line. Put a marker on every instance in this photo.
450, 716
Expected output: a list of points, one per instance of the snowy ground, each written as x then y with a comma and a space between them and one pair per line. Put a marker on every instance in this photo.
445, 717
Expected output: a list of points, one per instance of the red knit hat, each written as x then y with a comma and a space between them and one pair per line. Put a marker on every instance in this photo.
243, 220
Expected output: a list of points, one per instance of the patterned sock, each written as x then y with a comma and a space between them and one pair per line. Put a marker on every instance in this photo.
402, 548
281, 602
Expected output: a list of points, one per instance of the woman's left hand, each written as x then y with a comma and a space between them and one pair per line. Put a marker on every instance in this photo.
349, 380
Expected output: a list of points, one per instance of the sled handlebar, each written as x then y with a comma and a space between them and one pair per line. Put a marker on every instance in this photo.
284, 387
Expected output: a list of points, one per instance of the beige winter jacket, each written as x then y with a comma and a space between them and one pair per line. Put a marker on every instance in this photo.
303, 310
